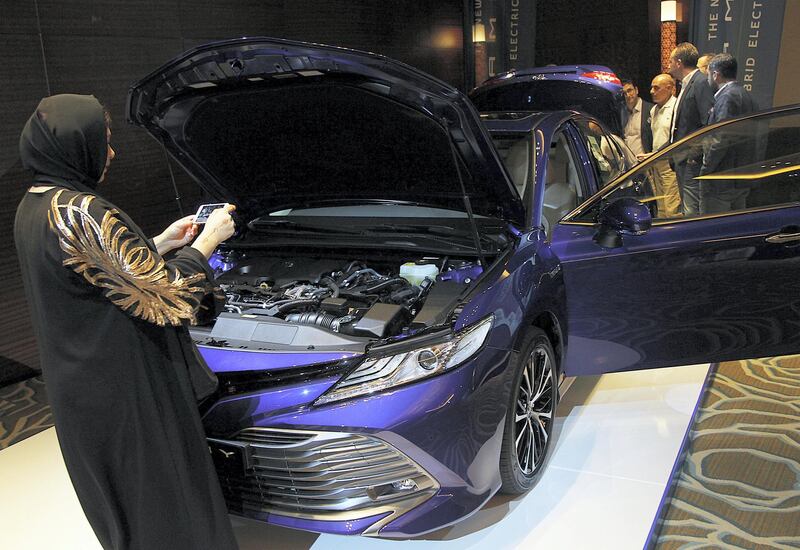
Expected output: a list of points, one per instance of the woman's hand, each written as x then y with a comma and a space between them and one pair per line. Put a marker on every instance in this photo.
218, 228
178, 234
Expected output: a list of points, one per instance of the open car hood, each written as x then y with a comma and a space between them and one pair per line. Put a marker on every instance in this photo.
270, 124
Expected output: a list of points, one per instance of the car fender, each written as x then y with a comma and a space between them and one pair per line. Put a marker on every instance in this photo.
529, 285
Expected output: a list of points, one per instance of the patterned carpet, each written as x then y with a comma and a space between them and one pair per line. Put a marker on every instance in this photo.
23, 411
739, 486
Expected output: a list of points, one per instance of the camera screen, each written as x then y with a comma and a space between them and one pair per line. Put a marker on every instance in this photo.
205, 211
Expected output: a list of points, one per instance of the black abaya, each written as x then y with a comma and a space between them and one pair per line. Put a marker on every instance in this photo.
110, 319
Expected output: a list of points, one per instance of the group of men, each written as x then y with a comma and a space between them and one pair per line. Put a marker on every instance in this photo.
708, 94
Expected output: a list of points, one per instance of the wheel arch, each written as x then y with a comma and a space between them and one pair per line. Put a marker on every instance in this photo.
548, 322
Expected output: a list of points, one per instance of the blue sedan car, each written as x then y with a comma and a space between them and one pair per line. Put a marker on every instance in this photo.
407, 289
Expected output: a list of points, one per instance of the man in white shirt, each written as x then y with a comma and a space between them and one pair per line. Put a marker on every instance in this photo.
662, 90
668, 199
637, 128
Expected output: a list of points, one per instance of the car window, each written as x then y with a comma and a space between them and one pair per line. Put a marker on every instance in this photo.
607, 159
627, 158
515, 152
562, 189
752, 163
616, 151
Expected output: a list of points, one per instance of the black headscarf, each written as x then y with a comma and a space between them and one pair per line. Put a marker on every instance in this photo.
64, 142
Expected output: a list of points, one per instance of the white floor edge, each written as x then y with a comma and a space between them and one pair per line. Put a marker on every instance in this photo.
617, 437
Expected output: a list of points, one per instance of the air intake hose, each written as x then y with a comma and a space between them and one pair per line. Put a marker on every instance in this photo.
324, 320
319, 318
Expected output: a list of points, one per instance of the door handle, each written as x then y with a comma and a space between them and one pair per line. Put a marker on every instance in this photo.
787, 235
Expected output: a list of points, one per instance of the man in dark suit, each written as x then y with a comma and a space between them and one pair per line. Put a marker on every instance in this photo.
638, 135
722, 151
691, 112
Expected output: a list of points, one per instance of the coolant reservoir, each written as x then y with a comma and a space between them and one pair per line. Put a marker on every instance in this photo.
416, 273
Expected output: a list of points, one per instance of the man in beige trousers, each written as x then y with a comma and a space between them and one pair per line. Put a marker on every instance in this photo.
662, 91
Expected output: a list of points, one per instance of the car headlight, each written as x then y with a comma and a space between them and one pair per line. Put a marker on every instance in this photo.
379, 373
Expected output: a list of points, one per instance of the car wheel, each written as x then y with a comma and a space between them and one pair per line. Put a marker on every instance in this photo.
531, 410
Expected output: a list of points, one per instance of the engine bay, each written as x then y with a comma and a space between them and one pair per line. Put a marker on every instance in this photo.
316, 303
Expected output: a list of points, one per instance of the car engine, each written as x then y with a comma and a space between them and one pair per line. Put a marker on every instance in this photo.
352, 299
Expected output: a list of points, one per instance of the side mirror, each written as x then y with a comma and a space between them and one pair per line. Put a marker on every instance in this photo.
624, 216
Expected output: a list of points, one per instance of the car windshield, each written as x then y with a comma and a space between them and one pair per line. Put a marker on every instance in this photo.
748, 164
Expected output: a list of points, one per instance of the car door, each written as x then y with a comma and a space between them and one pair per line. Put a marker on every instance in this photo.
717, 285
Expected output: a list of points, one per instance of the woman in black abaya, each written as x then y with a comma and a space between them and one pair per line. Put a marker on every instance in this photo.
110, 317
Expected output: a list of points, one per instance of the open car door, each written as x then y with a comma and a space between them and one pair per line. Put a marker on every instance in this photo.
648, 287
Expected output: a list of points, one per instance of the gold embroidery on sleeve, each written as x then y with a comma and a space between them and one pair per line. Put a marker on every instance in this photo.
135, 278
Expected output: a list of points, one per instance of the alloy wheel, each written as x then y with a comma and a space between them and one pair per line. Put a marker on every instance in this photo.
533, 414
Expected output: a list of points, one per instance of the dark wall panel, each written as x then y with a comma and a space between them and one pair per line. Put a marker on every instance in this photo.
18, 17
136, 18
23, 84
219, 19
621, 34
427, 35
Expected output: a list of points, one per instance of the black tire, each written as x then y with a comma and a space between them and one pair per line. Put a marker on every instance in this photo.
529, 421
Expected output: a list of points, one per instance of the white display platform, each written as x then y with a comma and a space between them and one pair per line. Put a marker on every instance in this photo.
617, 439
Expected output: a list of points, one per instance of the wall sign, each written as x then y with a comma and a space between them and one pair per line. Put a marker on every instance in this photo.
508, 31
750, 30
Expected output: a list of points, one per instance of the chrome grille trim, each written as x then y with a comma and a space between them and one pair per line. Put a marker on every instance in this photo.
272, 437
322, 476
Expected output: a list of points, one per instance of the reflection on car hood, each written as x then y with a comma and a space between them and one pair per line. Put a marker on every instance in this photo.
272, 124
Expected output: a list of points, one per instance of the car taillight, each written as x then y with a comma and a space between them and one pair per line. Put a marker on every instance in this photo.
603, 76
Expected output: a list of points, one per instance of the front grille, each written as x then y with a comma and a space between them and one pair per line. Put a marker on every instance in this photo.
321, 475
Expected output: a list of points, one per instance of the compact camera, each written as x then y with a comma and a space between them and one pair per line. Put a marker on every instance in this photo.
205, 211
